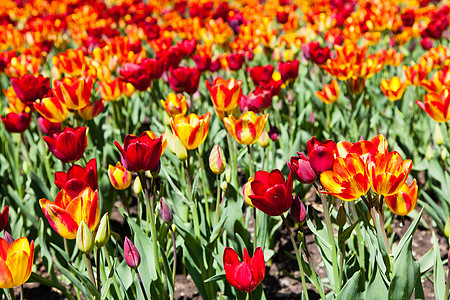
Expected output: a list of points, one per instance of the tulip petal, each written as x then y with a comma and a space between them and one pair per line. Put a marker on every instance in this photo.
6, 280
19, 262
61, 221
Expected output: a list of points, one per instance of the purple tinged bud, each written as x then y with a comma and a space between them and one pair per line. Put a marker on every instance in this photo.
298, 210
131, 254
312, 118
274, 133
301, 169
8, 238
164, 211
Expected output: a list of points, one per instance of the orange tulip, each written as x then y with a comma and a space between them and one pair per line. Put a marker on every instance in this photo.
112, 91
393, 89
330, 93
348, 180
74, 93
437, 105
404, 201
119, 177
16, 261
175, 104
191, 130
225, 94
247, 129
91, 110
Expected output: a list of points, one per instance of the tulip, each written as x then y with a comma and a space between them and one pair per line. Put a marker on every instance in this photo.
247, 129
91, 110
245, 275
131, 254
140, 153
298, 210
176, 146
257, 101
437, 105
154, 67
388, 172
348, 180
321, 154
78, 178
393, 89
137, 186
408, 18
15, 105
318, 54
74, 93
191, 130
85, 238
217, 162
69, 145
137, 75
111, 91
30, 88
4, 217
272, 194
52, 109
184, 79
164, 211
103, 232
404, 201
47, 127
225, 94
202, 61
119, 177
17, 123
16, 262
264, 139
175, 104
247, 191
330, 93
235, 60
288, 70
274, 84
66, 213
261, 74
300, 168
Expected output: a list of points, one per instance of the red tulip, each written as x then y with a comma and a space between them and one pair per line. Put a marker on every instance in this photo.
203, 62
17, 123
300, 168
245, 275
235, 60
187, 47
318, 54
298, 210
272, 194
215, 65
29, 88
170, 58
69, 145
131, 254
261, 74
257, 101
184, 79
408, 18
154, 67
140, 153
47, 127
4, 217
321, 154
77, 178
288, 70
137, 75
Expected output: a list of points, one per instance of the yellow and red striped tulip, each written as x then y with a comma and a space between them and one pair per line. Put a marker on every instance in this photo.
388, 172
247, 129
330, 92
52, 109
364, 149
191, 130
225, 94
175, 104
348, 180
119, 177
393, 88
16, 261
404, 201
91, 110
437, 105
112, 91
74, 92
66, 213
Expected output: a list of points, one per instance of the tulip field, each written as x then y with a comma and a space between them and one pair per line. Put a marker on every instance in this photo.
211, 149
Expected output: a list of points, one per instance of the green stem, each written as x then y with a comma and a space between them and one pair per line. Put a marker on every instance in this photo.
447, 286
233, 162
202, 174
141, 284
218, 201
99, 285
21, 292
174, 270
382, 230
361, 248
116, 286
88, 263
313, 269
250, 160
11, 294
263, 159
297, 255
193, 204
326, 212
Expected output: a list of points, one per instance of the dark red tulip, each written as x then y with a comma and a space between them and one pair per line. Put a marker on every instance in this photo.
4, 217
272, 194
408, 18
298, 210
215, 65
282, 16
78, 178
187, 47
274, 133
301, 169
274, 86
164, 211
29, 88
245, 275
47, 127
137, 75
288, 70
131, 254
436, 27
426, 43
235, 60
140, 153
257, 101
184, 79
321, 154
318, 54
261, 74
17, 123
171, 58
154, 67
69, 145
203, 62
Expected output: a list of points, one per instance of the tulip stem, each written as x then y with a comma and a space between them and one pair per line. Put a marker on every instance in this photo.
21, 292
250, 296
297, 255
326, 212
311, 266
174, 270
382, 230
233, 160
202, 174
218, 200
89, 268
141, 284
250, 160
361, 248
263, 159
99, 287
110, 266
255, 237
11, 294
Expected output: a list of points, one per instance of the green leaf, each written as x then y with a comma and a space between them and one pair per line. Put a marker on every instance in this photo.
408, 234
352, 289
376, 288
345, 235
216, 277
438, 271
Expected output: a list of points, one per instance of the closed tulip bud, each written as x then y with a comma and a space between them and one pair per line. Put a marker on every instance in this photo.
228, 174
341, 217
119, 177
438, 136
444, 154
176, 146
155, 171
103, 232
264, 139
137, 187
85, 238
224, 185
131, 254
9, 238
247, 191
164, 211
217, 161
4, 217
446, 228
429, 152
298, 210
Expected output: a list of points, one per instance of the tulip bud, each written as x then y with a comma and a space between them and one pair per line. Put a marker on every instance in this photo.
176, 146
444, 154
119, 177
137, 187
131, 254
274, 133
217, 161
298, 210
341, 217
438, 137
264, 139
85, 238
164, 212
224, 185
446, 228
228, 174
9, 238
247, 191
155, 171
4, 216
429, 152
103, 232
